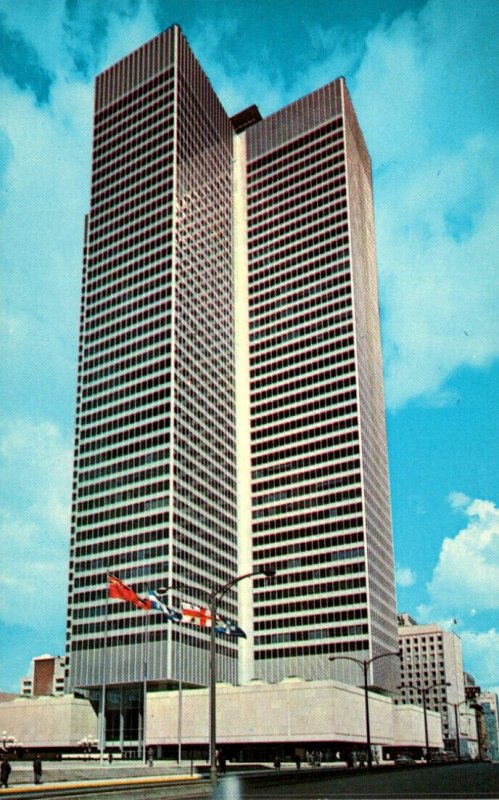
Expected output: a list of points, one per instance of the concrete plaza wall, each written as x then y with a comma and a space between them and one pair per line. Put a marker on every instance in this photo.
293, 710
48, 721
290, 711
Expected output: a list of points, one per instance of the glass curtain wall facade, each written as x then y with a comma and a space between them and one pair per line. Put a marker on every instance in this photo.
320, 494
154, 492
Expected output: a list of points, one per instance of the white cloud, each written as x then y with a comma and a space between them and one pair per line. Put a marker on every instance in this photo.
436, 160
34, 523
405, 576
466, 576
481, 656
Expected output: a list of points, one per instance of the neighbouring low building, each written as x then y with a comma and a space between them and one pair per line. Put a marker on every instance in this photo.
431, 666
46, 677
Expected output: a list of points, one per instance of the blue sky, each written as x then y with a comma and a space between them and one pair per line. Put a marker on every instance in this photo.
424, 80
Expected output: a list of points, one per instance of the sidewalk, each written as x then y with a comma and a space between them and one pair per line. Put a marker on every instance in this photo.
56, 773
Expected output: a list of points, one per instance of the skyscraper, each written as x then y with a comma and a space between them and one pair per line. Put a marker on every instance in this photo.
230, 404
154, 497
320, 492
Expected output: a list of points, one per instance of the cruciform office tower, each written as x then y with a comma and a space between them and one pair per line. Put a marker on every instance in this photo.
230, 408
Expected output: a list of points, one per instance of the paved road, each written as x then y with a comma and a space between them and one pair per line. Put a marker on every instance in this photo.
446, 782
454, 782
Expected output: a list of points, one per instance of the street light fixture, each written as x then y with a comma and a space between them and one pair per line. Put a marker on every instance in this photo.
424, 691
215, 596
364, 664
8, 741
456, 719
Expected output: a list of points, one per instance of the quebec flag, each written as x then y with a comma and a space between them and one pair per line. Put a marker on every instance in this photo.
229, 628
158, 605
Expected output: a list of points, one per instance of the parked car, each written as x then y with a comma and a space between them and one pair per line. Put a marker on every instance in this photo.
404, 759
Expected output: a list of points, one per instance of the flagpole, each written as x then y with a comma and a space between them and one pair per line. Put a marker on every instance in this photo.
180, 682
102, 699
144, 699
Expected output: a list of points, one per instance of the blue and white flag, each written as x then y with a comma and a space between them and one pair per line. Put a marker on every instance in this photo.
229, 628
158, 605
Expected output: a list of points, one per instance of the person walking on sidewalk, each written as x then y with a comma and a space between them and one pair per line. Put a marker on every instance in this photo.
5, 771
37, 769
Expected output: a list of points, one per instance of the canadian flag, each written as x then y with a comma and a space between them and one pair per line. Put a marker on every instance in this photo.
197, 615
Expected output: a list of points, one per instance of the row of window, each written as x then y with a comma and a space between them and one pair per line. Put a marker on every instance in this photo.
303, 636
125, 149
121, 559
299, 331
126, 526
228, 650
314, 303
267, 454
135, 153
305, 281
325, 649
299, 181
119, 466
295, 329
131, 377
311, 380
121, 231
346, 615
323, 145
272, 596
315, 502
125, 364
123, 109
314, 604
308, 165
303, 487
297, 144
147, 405
123, 511
143, 490
317, 543
129, 391
161, 424
276, 373
124, 543
120, 193
298, 208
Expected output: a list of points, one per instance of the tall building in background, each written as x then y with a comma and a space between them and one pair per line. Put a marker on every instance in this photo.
230, 407
431, 656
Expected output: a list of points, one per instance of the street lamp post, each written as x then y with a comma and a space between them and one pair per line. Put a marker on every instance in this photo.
215, 596
364, 664
456, 720
424, 692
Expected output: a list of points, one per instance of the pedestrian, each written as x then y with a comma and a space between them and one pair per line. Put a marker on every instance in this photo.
5, 771
110, 757
277, 764
37, 769
222, 762
298, 761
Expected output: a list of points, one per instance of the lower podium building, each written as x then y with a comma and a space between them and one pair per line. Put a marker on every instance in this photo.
255, 721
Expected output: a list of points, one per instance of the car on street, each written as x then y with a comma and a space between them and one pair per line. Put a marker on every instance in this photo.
404, 759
